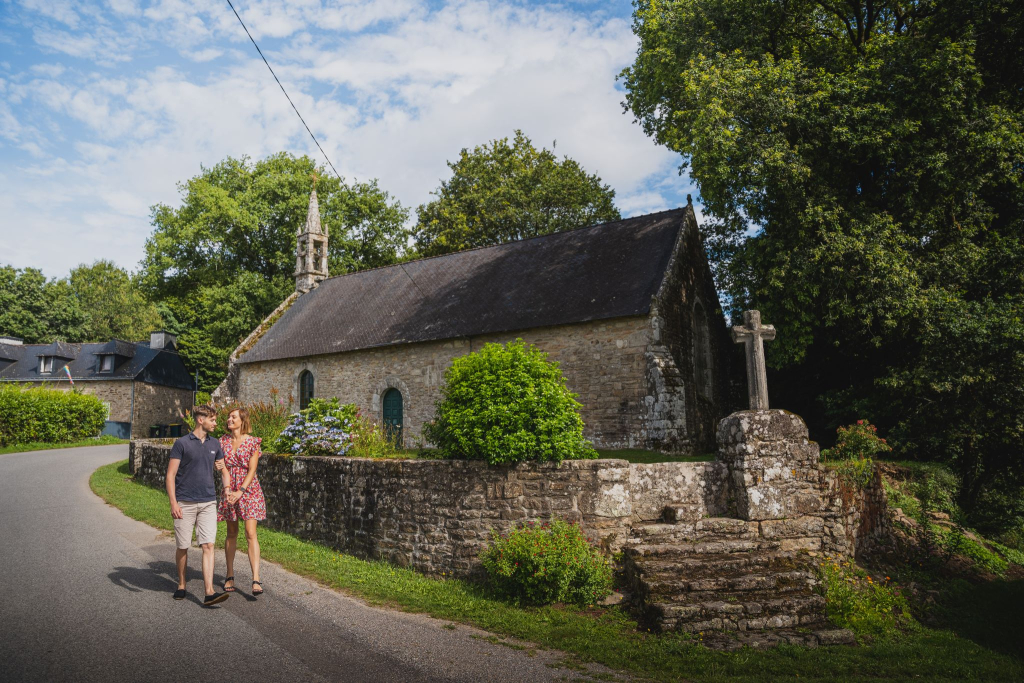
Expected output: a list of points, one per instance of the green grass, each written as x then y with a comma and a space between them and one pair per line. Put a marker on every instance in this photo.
96, 441
610, 636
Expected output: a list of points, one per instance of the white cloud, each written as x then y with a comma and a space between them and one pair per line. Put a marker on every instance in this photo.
394, 103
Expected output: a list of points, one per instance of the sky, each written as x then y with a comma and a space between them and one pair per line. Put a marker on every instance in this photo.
106, 106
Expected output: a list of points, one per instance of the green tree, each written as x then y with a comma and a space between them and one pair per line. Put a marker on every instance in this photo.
863, 165
114, 304
38, 310
502, 191
222, 261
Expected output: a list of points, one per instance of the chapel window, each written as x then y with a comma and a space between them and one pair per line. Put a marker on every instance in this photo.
305, 389
701, 351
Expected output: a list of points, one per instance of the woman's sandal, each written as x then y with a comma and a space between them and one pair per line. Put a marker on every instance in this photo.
257, 592
229, 589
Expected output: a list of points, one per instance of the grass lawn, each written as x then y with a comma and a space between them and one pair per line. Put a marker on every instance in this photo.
96, 441
610, 636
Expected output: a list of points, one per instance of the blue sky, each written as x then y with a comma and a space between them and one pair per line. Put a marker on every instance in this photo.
106, 106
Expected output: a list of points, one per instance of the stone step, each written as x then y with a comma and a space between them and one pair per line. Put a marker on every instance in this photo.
713, 546
760, 639
774, 582
722, 564
693, 531
729, 612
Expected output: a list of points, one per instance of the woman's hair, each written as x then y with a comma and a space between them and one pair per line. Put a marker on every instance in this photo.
243, 415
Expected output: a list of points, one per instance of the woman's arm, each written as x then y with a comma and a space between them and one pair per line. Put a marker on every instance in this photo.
253, 461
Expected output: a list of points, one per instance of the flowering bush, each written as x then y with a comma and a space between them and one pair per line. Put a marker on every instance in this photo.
325, 428
854, 447
854, 600
539, 564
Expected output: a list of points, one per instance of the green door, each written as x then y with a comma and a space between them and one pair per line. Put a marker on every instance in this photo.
393, 414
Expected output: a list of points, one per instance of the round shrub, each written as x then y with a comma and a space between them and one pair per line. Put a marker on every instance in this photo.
507, 404
42, 415
538, 564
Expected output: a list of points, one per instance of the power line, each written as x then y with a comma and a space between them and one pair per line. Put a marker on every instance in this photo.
282, 89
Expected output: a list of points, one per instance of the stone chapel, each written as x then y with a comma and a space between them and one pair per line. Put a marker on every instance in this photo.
628, 309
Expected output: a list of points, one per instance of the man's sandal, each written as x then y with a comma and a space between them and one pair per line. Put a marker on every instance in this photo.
229, 589
257, 592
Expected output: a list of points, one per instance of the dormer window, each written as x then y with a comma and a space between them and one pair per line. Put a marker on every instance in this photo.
107, 363
45, 364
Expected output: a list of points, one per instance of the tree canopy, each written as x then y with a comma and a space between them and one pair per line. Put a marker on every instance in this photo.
225, 258
38, 310
862, 164
114, 305
504, 191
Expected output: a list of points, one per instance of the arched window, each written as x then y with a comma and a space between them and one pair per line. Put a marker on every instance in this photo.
701, 351
305, 389
392, 413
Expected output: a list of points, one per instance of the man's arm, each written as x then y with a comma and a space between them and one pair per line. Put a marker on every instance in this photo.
225, 478
172, 470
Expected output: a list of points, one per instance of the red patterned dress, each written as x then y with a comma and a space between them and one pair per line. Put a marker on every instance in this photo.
251, 505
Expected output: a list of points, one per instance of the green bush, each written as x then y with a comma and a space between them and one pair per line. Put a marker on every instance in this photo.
507, 404
539, 564
39, 414
855, 446
854, 600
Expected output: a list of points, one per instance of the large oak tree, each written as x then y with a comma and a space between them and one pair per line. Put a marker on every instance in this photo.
862, 162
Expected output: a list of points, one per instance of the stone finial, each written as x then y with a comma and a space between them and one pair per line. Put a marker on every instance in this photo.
752, 334
311, 249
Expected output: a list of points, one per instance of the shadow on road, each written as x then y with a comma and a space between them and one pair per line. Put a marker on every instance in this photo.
159, 576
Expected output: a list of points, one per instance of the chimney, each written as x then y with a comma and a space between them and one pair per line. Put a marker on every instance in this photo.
13, 341
160, 339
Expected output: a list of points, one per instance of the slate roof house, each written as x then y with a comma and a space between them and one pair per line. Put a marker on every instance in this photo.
143, 383
628, 308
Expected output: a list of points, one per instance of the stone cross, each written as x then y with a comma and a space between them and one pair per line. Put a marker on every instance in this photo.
753, 335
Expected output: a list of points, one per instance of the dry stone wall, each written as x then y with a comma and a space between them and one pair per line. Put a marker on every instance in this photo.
436, 515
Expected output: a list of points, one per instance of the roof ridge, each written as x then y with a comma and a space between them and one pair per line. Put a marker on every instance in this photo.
503, 244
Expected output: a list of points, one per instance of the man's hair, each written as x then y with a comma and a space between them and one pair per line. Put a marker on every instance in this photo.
204, 411
243, 416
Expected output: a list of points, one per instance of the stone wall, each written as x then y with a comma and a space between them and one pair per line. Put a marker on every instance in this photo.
158, 405
436, 515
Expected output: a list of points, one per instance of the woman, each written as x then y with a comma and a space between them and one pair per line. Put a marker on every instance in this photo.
245, 499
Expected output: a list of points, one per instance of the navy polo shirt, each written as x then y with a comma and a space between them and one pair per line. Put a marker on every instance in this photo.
195, 482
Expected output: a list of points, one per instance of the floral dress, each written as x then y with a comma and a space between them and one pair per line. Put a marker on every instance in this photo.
251, 505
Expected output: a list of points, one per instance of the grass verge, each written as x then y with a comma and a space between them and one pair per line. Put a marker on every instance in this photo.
609, 637
96, 441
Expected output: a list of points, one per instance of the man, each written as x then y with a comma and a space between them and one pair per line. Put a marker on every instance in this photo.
192, 488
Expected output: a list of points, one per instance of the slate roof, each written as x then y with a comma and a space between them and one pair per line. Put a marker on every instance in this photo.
116, 347
604, 271
148, 365
11, 352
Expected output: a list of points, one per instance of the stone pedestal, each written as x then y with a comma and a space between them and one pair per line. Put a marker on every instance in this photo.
773, 467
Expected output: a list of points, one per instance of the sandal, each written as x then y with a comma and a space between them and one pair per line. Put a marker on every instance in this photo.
228, 589
257, 592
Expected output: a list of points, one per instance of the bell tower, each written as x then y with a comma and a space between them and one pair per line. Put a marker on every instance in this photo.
311, 249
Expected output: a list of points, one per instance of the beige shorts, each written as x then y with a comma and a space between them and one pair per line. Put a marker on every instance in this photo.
199, 516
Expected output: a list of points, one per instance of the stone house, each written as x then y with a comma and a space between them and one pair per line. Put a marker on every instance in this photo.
628, 309
144, 384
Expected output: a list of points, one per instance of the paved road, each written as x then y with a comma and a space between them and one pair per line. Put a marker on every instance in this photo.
85, 595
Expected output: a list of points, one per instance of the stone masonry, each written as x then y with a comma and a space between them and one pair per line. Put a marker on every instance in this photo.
436, 515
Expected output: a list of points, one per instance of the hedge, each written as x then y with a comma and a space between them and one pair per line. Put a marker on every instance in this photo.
41, 415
